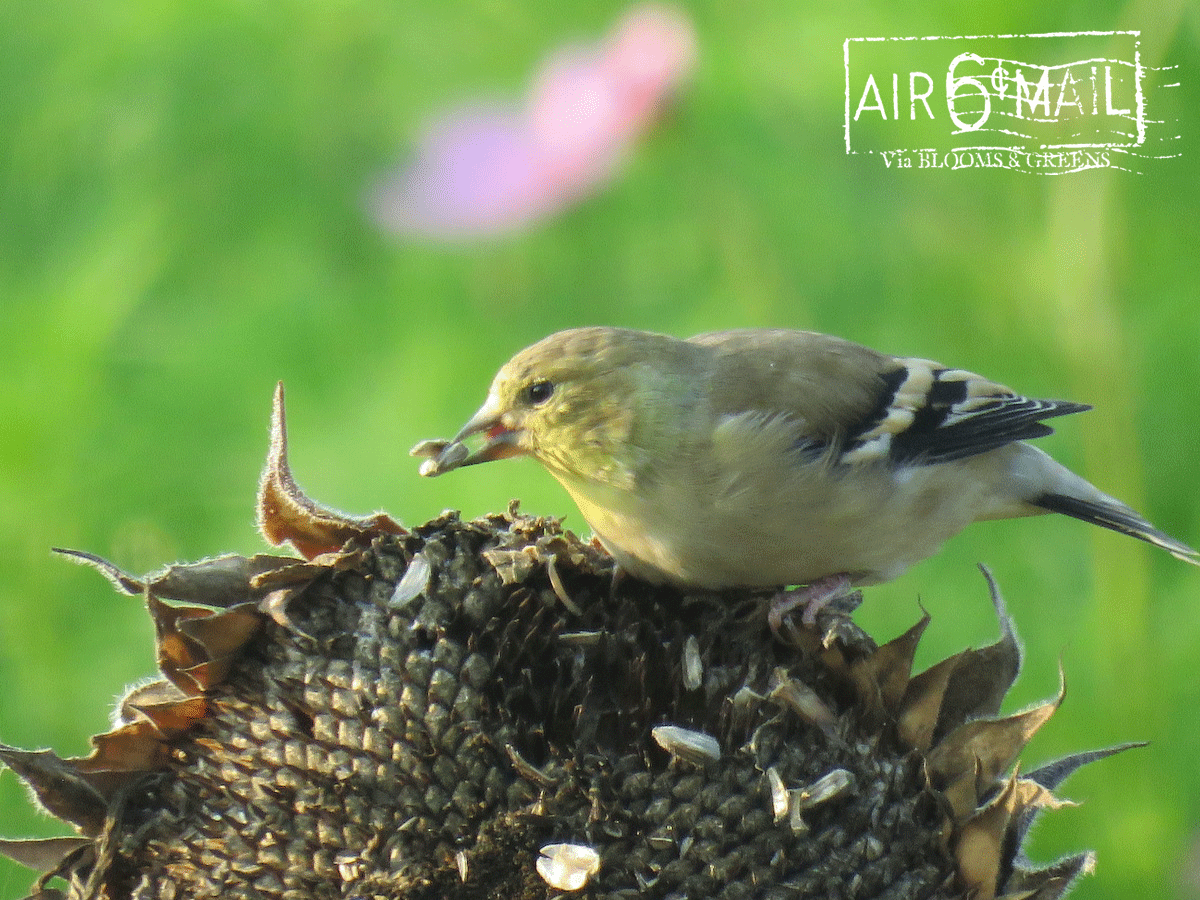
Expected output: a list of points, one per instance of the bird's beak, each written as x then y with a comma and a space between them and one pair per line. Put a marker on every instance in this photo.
499, 442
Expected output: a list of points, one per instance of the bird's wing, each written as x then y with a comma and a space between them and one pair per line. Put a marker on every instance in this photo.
867, 406
826, 385
934, 414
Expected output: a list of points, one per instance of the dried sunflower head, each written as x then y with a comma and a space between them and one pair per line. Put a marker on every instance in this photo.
473, 709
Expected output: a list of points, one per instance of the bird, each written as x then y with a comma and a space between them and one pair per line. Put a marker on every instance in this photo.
768, 458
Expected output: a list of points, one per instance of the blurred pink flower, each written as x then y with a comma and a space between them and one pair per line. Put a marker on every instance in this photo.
486, 168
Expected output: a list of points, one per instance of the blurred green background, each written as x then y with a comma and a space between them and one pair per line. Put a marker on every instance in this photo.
181, 224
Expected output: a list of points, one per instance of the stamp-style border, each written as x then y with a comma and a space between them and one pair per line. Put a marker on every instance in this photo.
1139, 75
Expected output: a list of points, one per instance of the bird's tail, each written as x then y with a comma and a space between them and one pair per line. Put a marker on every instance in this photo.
1118, 517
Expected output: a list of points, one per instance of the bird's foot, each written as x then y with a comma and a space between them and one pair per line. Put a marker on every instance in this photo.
813, 597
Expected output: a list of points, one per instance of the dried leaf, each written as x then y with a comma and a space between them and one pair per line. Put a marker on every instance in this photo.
979, 850
962, 794
59, 787
177, 652
880, 679
922, 704
42, 854
1055, 773
981, 679
197, 645
298, 573
120, 579
222, 581
1051, 882
222, 634
219, 582
982, 847
172, 719
202, 676
212, 611
137, 747
1029, 795
149, 716
283, 586
152, 693
287, 515
990, 744
1052, 774
833, 657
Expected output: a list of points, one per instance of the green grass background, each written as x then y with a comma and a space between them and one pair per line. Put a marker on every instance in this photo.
181, 225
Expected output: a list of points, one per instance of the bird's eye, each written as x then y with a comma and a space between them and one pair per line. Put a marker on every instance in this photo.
539, 392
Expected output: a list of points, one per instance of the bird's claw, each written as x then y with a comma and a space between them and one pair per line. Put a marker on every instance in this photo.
814, 598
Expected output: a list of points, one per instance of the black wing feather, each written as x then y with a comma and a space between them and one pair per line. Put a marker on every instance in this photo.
930, 414
933, 439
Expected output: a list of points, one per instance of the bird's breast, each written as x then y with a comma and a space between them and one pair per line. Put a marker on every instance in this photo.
871, 523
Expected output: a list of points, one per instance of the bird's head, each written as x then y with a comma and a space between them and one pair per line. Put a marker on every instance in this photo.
569, 401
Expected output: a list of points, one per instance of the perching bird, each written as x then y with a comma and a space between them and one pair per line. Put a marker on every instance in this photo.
756, 458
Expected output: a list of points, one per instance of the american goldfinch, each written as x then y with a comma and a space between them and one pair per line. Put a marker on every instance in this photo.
764, 458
